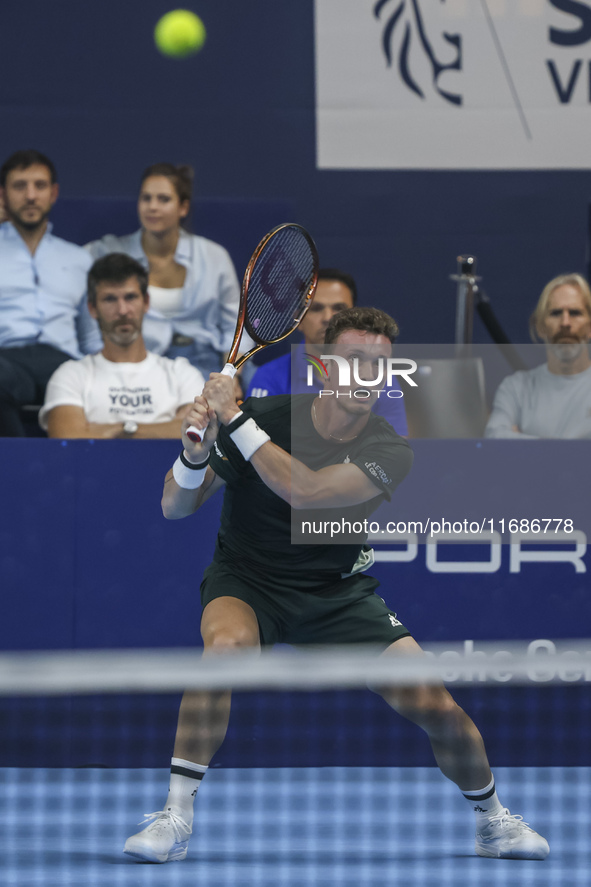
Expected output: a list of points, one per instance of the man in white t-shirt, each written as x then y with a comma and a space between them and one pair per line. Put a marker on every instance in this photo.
554, 399
123, 391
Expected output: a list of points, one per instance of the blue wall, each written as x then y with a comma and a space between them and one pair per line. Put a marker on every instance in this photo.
87, 560
83, 82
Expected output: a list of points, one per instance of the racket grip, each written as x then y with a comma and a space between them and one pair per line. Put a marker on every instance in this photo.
197, 434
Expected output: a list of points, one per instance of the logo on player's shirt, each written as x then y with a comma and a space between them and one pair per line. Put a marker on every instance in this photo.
379, 472
346, 460
394, 621
219, 452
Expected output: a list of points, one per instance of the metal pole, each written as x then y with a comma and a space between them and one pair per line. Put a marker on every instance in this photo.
466, 280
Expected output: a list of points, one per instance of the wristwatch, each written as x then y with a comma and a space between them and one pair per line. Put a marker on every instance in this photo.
130, 427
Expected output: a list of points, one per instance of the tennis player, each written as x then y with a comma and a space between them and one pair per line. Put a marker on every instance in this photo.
261, 589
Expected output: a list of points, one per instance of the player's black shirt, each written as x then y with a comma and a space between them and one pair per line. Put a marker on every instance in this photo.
256, 524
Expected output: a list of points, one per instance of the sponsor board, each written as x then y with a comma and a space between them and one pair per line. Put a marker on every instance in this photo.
453, 84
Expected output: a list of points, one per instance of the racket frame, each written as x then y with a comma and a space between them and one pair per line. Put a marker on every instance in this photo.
242, 321
233, 362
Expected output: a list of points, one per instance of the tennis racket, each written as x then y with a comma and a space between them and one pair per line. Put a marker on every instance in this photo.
277, 290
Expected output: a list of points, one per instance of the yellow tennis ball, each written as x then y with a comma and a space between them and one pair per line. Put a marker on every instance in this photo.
179, 33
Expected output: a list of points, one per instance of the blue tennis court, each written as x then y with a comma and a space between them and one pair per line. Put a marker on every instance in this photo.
288, 827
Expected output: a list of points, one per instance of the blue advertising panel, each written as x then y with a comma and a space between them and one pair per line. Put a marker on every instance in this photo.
88, 561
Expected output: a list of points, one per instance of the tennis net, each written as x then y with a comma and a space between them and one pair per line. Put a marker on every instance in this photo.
317, 783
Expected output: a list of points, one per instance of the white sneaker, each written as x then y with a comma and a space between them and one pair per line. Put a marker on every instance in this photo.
164, 840
505, 836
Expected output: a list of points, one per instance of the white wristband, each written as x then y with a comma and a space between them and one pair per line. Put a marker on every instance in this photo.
249, 438
188, 478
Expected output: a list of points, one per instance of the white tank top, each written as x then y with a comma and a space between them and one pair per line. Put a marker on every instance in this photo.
166, 301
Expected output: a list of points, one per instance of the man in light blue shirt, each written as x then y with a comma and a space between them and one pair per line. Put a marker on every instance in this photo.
336, 291
43, 315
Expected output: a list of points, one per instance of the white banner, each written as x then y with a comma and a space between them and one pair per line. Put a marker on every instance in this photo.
453, 84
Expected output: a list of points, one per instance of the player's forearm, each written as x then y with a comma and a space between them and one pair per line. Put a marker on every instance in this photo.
171, 429
178, 502
86, 431
507, 432
302, 487
505, 420
274, 467
503, 426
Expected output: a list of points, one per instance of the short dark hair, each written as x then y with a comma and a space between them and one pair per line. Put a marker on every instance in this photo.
336, 274
116, 268
181, 177
370, 320
25, 159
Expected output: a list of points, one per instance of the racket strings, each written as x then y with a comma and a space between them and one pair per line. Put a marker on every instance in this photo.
279, 284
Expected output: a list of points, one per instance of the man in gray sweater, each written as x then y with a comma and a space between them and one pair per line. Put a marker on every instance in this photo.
554, 399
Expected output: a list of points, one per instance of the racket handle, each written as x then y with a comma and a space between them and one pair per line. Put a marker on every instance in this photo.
197, 434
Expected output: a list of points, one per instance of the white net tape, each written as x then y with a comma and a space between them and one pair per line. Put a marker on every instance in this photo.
536, 662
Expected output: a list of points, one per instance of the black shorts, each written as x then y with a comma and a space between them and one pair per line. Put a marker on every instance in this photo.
345, 612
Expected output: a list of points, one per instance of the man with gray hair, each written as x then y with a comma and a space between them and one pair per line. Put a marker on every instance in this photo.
554, 399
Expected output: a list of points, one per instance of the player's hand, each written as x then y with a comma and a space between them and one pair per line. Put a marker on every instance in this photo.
221, 397
238, 390
199, 415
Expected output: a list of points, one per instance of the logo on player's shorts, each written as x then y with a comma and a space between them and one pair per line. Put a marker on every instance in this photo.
394, 621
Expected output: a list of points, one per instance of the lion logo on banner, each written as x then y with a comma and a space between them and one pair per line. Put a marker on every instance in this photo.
404, 34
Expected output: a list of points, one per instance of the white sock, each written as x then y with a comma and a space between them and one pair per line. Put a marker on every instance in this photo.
484, 802
185, 779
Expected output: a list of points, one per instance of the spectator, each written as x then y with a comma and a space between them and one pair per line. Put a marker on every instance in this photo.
336, 291
43, 316
124, 391
554, 399
194, 292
